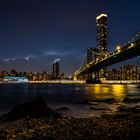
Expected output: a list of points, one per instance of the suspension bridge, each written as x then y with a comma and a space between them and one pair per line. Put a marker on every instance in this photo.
94, 60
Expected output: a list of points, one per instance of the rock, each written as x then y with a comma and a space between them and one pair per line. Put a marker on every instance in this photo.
98, 108
96, 101
81, 102
124, 109
93, 103
63, 109
105, 100
36, 108
130, 100
136, 109
3, 134
126, 99
115, 116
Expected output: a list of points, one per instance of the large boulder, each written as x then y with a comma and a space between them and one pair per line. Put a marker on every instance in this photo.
36, 108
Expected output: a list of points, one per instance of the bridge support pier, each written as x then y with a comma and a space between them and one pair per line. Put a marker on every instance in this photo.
97, 76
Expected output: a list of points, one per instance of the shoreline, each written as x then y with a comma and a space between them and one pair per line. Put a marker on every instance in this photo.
105, 126
38, 122
72, 82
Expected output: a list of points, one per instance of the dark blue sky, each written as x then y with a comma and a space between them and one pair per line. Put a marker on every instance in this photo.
35, 33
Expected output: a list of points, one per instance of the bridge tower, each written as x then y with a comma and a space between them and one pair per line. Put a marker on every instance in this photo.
89, 59
91, 56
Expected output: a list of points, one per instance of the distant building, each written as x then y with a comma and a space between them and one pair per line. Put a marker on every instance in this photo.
113, 74
47, 76
1, 79
126, 72
56, 70
129, 72
62, 76
13, 72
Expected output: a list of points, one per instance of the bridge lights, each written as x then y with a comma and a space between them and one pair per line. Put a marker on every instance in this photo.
97, 59
118, 48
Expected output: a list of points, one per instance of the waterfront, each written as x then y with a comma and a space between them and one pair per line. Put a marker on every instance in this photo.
76, 100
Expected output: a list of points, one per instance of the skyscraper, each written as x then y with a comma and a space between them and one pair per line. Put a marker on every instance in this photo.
101, 27
56, 70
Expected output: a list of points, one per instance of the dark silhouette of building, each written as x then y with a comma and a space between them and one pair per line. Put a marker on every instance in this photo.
56, 70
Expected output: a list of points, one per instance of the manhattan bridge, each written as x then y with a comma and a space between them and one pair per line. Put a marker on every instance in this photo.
97, 59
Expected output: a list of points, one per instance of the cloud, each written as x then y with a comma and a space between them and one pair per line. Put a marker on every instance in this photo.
57, 53
56, 60
8, 59
29, 57
32, 56
52, 53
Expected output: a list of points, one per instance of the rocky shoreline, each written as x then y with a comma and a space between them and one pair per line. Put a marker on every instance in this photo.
115, 126
49, 125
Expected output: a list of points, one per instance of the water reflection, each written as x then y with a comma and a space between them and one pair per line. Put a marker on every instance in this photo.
73, 96
103, 91
100, 91
119, 92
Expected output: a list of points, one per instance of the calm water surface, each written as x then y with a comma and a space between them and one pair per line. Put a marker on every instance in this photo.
80, 99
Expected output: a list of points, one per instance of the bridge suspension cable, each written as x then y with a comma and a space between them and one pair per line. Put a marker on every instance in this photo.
83, 62
85, 58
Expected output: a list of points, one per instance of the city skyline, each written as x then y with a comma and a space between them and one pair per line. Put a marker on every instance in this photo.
36, 34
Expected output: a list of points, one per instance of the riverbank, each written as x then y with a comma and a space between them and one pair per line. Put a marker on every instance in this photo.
34, 120
107, 126
121, 122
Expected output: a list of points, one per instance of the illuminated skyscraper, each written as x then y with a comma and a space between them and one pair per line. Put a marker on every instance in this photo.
56, 70
101, 26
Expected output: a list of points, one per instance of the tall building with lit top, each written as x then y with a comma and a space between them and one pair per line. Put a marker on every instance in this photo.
101, 27
56, 70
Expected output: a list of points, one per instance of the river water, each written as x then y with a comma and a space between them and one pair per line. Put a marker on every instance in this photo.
81, 100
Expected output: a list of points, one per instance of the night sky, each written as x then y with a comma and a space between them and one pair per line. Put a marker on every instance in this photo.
36, 33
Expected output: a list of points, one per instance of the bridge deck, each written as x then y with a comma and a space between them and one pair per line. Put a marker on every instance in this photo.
129, 51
